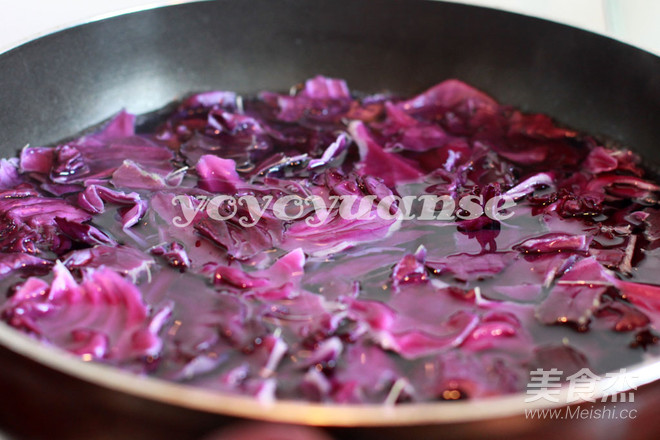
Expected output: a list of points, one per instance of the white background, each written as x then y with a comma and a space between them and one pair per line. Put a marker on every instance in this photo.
634, 21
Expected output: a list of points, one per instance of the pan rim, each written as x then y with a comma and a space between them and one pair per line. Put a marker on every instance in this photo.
157, 4
154, 4
303, 412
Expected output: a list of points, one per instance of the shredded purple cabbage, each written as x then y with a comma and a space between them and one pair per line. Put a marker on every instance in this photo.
322, 307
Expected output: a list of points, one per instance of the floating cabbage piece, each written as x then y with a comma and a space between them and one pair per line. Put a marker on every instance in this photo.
103, 317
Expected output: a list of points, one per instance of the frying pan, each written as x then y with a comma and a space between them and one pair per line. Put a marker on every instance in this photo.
57, 85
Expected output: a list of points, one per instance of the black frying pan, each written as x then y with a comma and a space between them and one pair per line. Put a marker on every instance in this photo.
58, 85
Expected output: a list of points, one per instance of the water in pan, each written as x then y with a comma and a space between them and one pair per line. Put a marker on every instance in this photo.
166, 252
